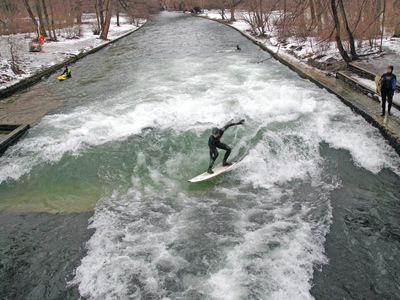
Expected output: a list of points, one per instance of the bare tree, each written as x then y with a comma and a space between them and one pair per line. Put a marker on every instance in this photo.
14, 62
117, 13
42, 28
106, 25
338, 39
396, 10
52, 20
48, 24
31, 15
98, 21
383, 24
348, 30
101, 11
78, 11
232, 7
8, 11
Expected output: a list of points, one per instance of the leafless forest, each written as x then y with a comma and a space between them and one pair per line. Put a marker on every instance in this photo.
46, 16
351, 24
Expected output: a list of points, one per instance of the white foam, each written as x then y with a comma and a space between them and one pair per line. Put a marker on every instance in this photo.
124, 259
366, 145
262, 102
255, 269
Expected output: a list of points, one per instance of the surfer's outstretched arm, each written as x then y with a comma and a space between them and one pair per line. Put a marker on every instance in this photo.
230, 124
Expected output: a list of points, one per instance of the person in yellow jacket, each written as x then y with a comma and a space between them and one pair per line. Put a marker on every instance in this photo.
67, 71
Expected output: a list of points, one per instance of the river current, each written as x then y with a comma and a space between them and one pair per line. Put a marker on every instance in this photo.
133, 128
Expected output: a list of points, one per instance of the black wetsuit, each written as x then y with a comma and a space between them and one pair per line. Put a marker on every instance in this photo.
215, 142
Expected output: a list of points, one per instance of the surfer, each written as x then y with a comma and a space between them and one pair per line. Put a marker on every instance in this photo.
388, 87
67, 71
214, 142
238, 48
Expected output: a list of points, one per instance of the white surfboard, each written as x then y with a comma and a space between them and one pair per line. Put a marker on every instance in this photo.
217, 171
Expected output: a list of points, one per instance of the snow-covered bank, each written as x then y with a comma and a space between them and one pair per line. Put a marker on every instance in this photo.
241, 25
291, 51
30, 63
308, 50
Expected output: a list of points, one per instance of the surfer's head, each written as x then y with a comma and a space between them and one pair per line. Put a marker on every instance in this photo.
390, 69
215, 132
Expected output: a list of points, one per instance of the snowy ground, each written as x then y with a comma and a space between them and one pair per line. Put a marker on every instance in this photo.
53, 52
393, 44
304, 50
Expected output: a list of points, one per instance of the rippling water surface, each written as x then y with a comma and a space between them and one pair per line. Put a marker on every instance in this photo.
133, 128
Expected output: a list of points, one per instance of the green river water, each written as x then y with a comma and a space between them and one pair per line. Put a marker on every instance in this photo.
311, 210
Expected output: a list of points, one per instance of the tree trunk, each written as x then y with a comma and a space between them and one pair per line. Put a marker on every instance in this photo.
378, 12
284, 20
315, 21
397, 31
383, 25
319, 11
96, 7
78, 9
261, 18
312, 11
232, 9
46, 16
396, 9
101, 12
223, 13
40, 16
339, 44
52, 20
31, 15
349, 32
325, 17
107, 22
117, 13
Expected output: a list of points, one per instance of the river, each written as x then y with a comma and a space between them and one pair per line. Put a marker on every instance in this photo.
312, 210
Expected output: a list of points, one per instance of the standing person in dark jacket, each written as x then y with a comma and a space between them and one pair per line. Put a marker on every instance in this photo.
214, 142
388, 86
